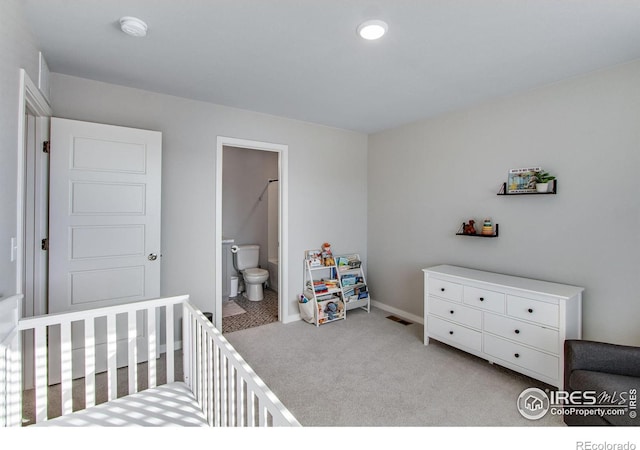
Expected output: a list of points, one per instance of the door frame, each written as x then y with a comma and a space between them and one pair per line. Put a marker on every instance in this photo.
31, 100
283, 221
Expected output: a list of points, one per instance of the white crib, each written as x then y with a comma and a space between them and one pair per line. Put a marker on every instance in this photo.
218, 388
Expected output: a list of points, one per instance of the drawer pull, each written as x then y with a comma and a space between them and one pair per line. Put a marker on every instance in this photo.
517, 355
442, 289
517, 331
450, 332
451, 311
481, 299
530, 310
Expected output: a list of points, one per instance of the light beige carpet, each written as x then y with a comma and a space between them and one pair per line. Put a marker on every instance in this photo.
370, 371
231, 308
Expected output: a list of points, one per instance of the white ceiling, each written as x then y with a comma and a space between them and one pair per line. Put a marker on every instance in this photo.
302, 59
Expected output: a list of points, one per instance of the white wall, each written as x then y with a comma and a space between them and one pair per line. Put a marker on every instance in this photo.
426, 178
324, 163
17, 50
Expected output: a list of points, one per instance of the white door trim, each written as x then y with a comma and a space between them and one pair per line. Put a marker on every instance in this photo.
283, 222
30, 98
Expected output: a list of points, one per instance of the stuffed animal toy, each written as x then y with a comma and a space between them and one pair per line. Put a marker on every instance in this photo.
331, 309
470, 228
327, 256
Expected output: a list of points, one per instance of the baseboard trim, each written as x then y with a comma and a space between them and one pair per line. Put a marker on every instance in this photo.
291, 318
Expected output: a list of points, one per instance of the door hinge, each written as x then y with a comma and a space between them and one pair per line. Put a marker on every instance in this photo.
46, 146
44, 244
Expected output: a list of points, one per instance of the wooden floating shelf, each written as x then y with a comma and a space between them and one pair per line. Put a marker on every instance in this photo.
503, 190
481, 235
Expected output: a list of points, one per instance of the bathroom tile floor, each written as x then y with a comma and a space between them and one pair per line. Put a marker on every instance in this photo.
258, 313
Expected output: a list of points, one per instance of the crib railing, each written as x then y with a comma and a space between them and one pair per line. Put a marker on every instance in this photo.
60, 324
228, 390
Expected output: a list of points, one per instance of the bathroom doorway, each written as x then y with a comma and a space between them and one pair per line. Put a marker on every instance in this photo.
250, 210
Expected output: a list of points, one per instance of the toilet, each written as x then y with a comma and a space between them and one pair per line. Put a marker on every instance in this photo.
245, 261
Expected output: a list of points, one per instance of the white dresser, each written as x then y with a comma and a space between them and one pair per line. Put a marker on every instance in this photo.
518, 323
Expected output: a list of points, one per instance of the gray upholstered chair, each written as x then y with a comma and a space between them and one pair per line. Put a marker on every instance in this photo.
602, 367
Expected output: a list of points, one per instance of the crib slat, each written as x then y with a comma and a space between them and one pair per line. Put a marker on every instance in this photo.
205, 364
232, 397
262, 415
14, 388
210, 381
89, 363
41, 373
170, 348
133, 357
251, 412
193, 355
151, 346
112, 358
186, 345
223, 388
240, 398
198, 371
216, 384
203, 375
66, 376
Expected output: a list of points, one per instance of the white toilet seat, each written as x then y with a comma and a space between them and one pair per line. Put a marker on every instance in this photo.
255, 275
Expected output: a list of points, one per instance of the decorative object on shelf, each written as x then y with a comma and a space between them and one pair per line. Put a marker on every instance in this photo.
462, 232
553, 189
522, 180
487, 227
542, 181
327, 256
331, 310
314, 257
469, 228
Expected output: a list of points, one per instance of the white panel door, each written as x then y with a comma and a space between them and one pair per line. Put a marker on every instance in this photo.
104, 231
104, 215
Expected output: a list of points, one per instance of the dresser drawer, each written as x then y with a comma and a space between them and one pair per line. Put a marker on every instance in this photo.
455, 312
484, 299
533, 310
449, 332
526, 333
527, 358
445, 289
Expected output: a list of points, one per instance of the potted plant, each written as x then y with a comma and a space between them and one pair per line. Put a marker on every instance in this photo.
542, 181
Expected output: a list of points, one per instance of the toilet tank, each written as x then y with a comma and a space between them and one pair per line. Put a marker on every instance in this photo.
247, 256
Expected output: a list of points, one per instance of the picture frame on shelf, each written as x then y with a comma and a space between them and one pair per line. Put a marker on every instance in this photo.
314, 257
522, 180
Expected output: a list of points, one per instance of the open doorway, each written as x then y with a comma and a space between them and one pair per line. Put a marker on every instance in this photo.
250, 211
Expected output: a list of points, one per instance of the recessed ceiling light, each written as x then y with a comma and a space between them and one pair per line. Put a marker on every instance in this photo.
372, 29
133, 26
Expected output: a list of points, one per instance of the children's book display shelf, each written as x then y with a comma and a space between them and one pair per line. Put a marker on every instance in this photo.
335, 287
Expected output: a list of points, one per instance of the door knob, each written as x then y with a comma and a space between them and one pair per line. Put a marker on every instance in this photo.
152, 257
